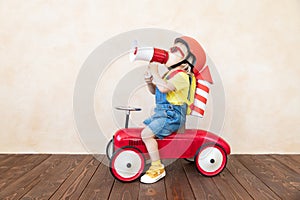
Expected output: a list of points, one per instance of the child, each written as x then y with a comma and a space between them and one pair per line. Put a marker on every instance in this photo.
171, 95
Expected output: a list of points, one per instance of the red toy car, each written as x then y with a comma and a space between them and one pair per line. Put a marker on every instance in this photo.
127, 152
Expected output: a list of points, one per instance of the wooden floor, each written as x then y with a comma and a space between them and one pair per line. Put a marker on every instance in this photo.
84, 177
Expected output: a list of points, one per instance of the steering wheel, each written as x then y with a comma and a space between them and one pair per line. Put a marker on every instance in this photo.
128, 109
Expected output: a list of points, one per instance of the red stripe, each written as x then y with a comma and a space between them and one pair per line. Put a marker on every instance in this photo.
198, 110
200, 98
160, 56
135, 50
203, 87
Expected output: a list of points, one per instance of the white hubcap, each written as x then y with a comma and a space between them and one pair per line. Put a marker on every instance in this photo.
210, 159
127, 164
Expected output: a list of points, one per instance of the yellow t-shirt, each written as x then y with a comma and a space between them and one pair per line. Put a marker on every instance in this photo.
182, 83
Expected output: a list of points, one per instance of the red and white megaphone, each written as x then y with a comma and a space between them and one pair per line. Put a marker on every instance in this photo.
149, 54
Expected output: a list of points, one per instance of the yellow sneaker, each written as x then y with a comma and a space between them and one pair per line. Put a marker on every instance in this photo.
154, 174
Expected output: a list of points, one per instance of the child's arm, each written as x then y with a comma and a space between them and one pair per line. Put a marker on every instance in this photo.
148, 79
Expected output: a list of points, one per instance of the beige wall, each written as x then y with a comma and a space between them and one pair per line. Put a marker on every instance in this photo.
255, 46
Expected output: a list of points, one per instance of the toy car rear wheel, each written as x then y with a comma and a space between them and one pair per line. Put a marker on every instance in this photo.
110, 149
210, 160
127, 164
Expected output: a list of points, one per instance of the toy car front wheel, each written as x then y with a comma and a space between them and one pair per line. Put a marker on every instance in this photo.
210, 160
127, 164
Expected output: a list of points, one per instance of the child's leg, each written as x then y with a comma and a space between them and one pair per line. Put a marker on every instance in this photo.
151, 144
156, 171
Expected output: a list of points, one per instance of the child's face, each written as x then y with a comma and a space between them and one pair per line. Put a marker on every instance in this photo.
177, 53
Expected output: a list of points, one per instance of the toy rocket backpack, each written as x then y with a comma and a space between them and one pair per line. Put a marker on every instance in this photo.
200, 89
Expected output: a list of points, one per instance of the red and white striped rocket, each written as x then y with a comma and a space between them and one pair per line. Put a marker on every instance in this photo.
203, 84
201, 96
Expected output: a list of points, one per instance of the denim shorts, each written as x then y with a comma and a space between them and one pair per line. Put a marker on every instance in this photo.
167, 119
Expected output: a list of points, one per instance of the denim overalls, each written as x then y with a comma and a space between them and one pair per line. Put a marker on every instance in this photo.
167, 118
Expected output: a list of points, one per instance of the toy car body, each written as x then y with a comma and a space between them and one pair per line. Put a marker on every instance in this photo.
128, 153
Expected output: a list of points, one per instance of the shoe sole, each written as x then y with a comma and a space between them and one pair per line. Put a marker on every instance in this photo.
156, 179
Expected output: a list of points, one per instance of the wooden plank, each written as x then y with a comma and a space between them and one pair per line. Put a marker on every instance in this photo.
177, 184
203, 187
267, 174
153, 191
288, 161
74, 185
11, 161
101, 183
4, 156
230, 187
51, 181
19, 166
295, 157
26, 182
282, 171
126, 191
255, 187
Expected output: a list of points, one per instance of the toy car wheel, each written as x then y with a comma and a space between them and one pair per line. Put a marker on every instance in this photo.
127, 164
110, 149
210, 160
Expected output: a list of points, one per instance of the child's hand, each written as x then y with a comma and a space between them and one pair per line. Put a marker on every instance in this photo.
148, 77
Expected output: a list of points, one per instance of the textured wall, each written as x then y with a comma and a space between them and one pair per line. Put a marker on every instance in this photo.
254, 44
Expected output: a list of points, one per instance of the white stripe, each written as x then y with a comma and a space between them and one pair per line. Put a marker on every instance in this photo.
202, 93
199, 104
194, 113
205, 83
